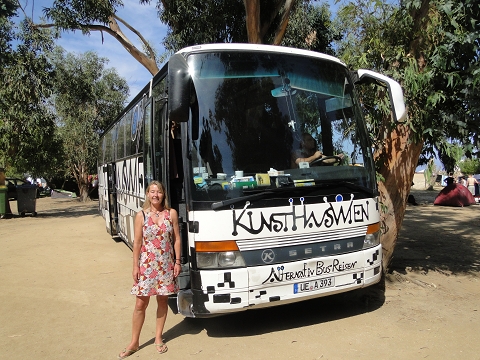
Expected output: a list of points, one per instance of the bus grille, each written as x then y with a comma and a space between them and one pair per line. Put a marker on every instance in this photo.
304, 239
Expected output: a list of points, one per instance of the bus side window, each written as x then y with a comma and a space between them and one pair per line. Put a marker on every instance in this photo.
158, 138
148, 148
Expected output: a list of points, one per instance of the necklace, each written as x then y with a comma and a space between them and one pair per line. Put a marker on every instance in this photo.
156, 212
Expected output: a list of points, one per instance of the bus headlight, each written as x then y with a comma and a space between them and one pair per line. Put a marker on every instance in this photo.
372, 238
206, 260
218, 254
228, 258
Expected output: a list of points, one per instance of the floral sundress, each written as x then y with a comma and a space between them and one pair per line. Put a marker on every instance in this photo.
156, 258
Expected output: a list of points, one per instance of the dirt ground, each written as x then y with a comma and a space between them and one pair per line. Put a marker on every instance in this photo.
65, 295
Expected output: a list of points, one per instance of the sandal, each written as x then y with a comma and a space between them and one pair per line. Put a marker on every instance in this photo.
163, 348
126, 353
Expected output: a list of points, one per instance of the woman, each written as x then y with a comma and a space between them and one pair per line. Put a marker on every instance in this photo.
156, 263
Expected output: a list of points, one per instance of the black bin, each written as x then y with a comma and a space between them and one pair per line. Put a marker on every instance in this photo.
26, 199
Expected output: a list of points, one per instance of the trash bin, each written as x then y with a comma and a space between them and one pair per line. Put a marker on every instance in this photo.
3, 200
26, 199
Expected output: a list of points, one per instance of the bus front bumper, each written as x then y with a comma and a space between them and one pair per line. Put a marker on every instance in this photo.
215, 298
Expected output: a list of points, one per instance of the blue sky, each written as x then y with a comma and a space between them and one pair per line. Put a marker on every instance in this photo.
141, 17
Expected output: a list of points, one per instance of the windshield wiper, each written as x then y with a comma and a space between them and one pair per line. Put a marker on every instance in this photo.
220, 204
318, 184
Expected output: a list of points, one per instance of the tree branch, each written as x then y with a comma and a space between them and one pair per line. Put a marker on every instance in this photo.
149, 62
273, 14
282, 27
116, 28
420, 19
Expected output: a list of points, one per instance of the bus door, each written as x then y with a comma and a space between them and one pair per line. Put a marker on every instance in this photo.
168, 167
112, 200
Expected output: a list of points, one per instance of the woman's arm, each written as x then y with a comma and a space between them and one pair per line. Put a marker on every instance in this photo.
137, 245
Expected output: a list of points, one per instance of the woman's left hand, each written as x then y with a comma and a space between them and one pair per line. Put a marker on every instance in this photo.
176, 270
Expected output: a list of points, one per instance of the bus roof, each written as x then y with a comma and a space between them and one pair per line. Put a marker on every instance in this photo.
257, 47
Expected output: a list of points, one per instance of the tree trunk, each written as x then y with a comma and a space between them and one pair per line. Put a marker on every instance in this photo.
252, 11
81, 176
83, 192
398, 158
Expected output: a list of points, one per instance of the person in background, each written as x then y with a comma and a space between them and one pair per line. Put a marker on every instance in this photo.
449, 180
156, 263
471, 181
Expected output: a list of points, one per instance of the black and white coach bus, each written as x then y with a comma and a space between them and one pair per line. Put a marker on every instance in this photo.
266, 157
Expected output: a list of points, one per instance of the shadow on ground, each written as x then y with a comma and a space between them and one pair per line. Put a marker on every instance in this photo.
279, 318
444, 239
70, 208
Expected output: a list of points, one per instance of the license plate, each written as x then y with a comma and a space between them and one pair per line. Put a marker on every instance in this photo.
313, 285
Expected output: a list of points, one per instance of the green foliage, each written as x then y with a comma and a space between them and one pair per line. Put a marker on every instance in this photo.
310, 28
27, 125
432, 48
450, 155
53, 106
469, 166
429, 172
80, 14
192, 22
87, 98
8, 10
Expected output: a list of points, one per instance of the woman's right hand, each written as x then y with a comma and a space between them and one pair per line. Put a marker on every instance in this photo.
136, 273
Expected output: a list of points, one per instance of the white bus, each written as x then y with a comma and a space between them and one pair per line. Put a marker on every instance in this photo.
266, 157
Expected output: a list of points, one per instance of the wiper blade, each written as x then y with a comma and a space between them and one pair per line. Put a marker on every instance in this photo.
220, 204
318, 184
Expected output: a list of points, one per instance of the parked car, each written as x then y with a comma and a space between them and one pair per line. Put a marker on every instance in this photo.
12, 184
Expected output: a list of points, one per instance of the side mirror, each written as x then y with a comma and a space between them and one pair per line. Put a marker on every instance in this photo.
394, 91
178, 89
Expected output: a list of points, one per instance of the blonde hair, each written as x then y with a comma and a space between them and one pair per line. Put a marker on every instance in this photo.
161, 188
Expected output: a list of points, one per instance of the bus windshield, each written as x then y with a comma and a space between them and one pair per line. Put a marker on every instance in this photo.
263, 121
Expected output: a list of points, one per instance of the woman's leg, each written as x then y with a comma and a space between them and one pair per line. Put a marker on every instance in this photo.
162, 308
141, 304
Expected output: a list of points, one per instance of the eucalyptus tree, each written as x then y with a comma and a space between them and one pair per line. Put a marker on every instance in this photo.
27, 140
469, 166
87, 97
296, 23
193, 22
432, 48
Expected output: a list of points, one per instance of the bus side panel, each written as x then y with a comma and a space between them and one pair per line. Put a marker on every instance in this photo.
103, 196
107, 198
130, 195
